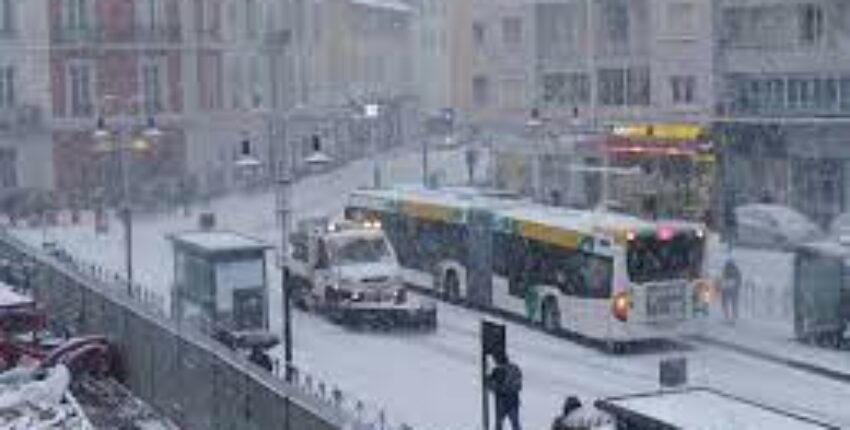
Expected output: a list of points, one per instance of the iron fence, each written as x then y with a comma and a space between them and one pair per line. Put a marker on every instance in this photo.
193, 380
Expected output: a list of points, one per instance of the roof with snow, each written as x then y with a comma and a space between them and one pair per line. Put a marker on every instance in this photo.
704, 409
452, 203
10, 299
394, 5
218, 241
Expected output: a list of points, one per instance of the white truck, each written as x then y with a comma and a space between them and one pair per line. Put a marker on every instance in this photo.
348, 271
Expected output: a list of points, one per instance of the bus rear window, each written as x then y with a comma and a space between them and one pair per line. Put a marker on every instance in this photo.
652, 259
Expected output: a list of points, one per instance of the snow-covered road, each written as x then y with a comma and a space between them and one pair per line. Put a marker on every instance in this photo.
431, 380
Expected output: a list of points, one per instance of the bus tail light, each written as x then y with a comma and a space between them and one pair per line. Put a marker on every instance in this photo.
621, 305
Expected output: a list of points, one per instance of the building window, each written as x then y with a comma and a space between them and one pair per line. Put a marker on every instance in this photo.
77, 14
680, 18
251, 19
637, 82
7, 16
612, 87
826, 93
620, 87
811, 24
149, 14
481, 91
683, 89
80, 89
152, 85
512, 30
566, 89
615, 21
844, 89
478, 33
7, 87
8, 171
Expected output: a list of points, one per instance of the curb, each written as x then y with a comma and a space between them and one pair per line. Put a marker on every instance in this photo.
835, 375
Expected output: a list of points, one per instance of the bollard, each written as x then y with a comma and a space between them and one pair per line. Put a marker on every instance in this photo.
382, 419
336, 395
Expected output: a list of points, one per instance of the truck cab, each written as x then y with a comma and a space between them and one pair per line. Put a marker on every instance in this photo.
349, 272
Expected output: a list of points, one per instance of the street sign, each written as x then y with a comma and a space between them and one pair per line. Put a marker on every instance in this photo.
492, 338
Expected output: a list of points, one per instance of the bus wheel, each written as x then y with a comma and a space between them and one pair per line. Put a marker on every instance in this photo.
550, 315
451, 286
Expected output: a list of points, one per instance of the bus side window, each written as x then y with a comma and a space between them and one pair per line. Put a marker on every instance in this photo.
598, 277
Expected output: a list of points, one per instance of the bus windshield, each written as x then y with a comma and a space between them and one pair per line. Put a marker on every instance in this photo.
361, 250
651, 258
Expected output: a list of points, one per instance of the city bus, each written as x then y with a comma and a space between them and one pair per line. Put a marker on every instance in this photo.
601, 275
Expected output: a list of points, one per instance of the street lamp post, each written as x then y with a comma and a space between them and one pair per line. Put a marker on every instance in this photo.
283, 210
372, 112
124, 143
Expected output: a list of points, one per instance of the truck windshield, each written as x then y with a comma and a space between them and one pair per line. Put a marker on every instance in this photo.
361, 250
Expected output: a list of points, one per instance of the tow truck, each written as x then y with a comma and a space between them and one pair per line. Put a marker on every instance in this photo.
348, 272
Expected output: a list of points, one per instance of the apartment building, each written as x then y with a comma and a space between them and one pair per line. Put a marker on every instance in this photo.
783, 91
599, 60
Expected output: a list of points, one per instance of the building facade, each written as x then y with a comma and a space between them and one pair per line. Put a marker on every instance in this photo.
783, 91
24, 97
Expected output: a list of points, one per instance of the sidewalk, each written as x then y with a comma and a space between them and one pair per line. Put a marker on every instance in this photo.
774, 340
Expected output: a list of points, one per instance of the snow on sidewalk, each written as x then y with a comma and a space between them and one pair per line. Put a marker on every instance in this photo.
766, 322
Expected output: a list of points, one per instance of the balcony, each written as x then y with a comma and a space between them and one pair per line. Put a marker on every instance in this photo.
138, 33
20, 119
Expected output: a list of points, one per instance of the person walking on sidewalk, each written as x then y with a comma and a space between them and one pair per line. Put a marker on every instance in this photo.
505, 381
730, 290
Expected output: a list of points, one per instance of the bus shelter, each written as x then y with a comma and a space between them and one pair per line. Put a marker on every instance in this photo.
700, 409
821, 293
677, 167
220, 281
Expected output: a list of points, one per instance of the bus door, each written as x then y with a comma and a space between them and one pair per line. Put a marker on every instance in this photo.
479, 263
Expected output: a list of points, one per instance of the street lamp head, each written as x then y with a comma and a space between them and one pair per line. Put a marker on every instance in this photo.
317, 158
101, 133
152, 131
246, 156
247, 161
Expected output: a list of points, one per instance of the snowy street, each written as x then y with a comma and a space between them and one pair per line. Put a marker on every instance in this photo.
410, 375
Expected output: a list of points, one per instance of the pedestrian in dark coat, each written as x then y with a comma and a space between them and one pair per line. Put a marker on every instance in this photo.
505, 381
730, 290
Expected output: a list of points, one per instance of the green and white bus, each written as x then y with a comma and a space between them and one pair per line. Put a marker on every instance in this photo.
601, 275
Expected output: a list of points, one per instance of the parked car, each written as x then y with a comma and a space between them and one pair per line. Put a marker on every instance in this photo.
839, 228
774, 226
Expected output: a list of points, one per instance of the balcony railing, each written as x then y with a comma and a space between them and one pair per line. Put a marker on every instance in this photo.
20, 119
138, 33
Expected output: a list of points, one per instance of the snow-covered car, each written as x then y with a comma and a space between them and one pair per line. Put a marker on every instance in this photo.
774, 226
839, 228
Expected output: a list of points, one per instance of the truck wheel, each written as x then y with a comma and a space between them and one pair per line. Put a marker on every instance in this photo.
451, 286
550, 315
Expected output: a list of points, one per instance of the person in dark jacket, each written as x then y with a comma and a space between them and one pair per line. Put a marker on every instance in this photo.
730, 290
261, 358
505, 381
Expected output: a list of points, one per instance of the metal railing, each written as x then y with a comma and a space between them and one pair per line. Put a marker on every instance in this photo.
84, 298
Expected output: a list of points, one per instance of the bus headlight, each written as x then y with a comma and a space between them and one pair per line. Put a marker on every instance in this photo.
621, 305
